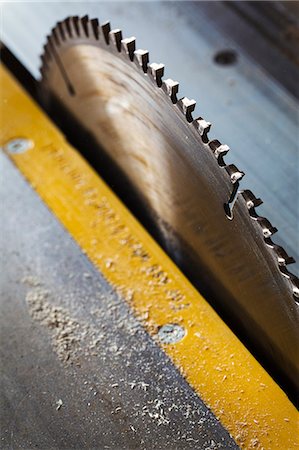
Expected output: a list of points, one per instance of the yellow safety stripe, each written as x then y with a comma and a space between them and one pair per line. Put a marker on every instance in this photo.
251, 406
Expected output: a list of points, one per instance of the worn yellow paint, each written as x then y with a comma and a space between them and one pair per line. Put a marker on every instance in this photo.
225, 375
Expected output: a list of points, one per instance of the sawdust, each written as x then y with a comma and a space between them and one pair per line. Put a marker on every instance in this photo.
71, 338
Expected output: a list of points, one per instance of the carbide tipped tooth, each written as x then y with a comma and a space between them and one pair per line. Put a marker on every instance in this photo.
47, 50
219, 150
282, 257
266, 226
75, 25
94, 28
142, 58
106, 30
68, 26
171, 88
156, 71
54, 37
294, 281
60, 26
129, 46
203, 127
251, 200
235, 174
84, 22
187, 106
116, 37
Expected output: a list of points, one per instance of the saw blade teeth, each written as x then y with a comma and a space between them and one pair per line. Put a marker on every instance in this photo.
187, 107
171, 88
294, 282
129, 46
141, 58
84, 22
156, 72
68, 26
235, 174
54, 36
282, 257
105, 27
219, 150
203, 128
61, 30
74, 23
266, 226
94, 28
116, 37
251, 200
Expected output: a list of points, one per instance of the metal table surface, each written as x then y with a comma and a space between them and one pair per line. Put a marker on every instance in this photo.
250, 110
110, 386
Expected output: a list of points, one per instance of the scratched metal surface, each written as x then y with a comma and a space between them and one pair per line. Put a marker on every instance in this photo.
124, 393
250, 111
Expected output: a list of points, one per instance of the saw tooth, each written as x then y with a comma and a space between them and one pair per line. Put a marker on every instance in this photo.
116, 38
294, 281
106, 30
68, 26
251, 200
282, 257
94, 28
266, 226
219, 150
74, 22
54, 37
203, 128
129, 46
47, 54
171, 88
235, 174
156, 71
61, 30
187, 106
84, 22
141, 58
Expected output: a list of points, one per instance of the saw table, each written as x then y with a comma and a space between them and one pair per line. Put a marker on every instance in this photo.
105, 342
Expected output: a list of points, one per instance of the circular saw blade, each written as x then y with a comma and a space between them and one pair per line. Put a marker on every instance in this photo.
192, 196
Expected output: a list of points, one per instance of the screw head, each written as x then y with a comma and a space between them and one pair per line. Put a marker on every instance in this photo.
171, 333
18, 145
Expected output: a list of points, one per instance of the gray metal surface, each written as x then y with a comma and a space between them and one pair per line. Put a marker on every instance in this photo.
250, 111
114, 388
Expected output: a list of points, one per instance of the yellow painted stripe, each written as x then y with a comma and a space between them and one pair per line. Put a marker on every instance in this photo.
242, 395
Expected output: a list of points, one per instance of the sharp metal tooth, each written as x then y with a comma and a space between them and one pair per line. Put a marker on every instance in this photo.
203, 127
116, 38
75, 22
187, 106
234, 173
60, 26
219, 150
106, 30
171, 88
94, 28
54, 37
142, 59
294, 281
282, 257
68, 26
156, 71
129, 46
266, 226
84, 23
47, 50
251, 200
